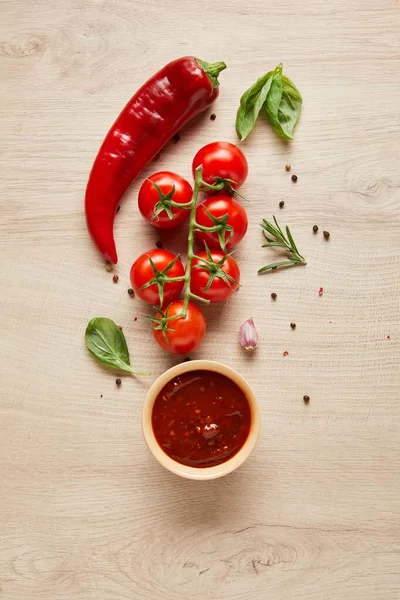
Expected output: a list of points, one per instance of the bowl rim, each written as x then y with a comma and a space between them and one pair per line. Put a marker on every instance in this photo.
185, 470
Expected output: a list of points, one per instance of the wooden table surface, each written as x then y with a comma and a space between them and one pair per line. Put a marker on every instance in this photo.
85, 511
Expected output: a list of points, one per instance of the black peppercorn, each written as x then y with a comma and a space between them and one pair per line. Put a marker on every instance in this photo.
293, 325
281, 204
327, 235
213, 117
274, 296
306, 399
294, 178
131, 292
177, 137
118, 381
159, 244
315, 228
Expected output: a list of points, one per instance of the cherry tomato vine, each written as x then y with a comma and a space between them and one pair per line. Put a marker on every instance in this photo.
220, 226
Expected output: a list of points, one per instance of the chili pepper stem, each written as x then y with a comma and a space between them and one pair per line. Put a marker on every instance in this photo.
212, 70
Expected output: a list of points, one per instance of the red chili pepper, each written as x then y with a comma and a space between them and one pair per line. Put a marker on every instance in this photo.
175, 94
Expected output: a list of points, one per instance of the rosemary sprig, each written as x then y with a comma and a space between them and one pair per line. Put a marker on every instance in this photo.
279, 240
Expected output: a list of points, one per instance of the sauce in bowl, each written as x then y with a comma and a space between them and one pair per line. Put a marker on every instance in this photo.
201, 418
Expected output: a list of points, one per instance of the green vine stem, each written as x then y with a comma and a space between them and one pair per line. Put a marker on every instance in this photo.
219, 225
192, 227
166, 200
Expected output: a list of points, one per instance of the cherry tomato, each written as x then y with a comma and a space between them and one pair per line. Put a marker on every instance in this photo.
218, 206
220, 288
149, 197
187, 334
142, 272
222, 160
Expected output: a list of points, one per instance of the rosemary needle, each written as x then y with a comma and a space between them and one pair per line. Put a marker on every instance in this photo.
280, 240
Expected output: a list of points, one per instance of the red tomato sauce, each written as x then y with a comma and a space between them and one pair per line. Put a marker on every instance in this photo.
201, 418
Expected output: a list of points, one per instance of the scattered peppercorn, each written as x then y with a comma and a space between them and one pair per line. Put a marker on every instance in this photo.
274, 296
135, 319
315, 228
213, 117
306, 399
159, 244
320, 291
327, 235
281, 204
293, 325
294, 178
108, 267
131, 292
101, 395
285, 353
115, 278
186, 359
388, 337
288, 166
118, 381
177, 137
118, 208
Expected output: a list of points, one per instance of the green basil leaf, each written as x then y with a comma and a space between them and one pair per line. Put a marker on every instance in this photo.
250, 105
108, 344
274, 97
283, 106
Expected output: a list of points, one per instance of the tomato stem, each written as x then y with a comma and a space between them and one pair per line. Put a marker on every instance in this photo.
200, 298
171, 279
186, 205
192, 226
188, 294
209, 229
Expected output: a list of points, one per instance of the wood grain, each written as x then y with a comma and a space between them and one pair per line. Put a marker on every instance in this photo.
85, 512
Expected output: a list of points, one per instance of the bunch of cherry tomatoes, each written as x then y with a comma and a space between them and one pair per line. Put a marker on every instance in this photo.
224, 163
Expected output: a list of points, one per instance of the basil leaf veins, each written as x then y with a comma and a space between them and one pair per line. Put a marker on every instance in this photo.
108, 344
280, 98
283, 104
250, 105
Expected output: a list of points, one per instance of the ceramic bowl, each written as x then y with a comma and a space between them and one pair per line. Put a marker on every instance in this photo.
193, 472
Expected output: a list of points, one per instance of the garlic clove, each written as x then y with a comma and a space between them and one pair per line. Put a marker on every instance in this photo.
248, 337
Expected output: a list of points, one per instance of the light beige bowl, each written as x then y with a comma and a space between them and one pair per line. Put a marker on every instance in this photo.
193, 472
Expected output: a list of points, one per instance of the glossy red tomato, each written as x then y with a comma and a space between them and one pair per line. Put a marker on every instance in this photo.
218, 206
222, 160
142, 272
150, 199
221, 288
187, 334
